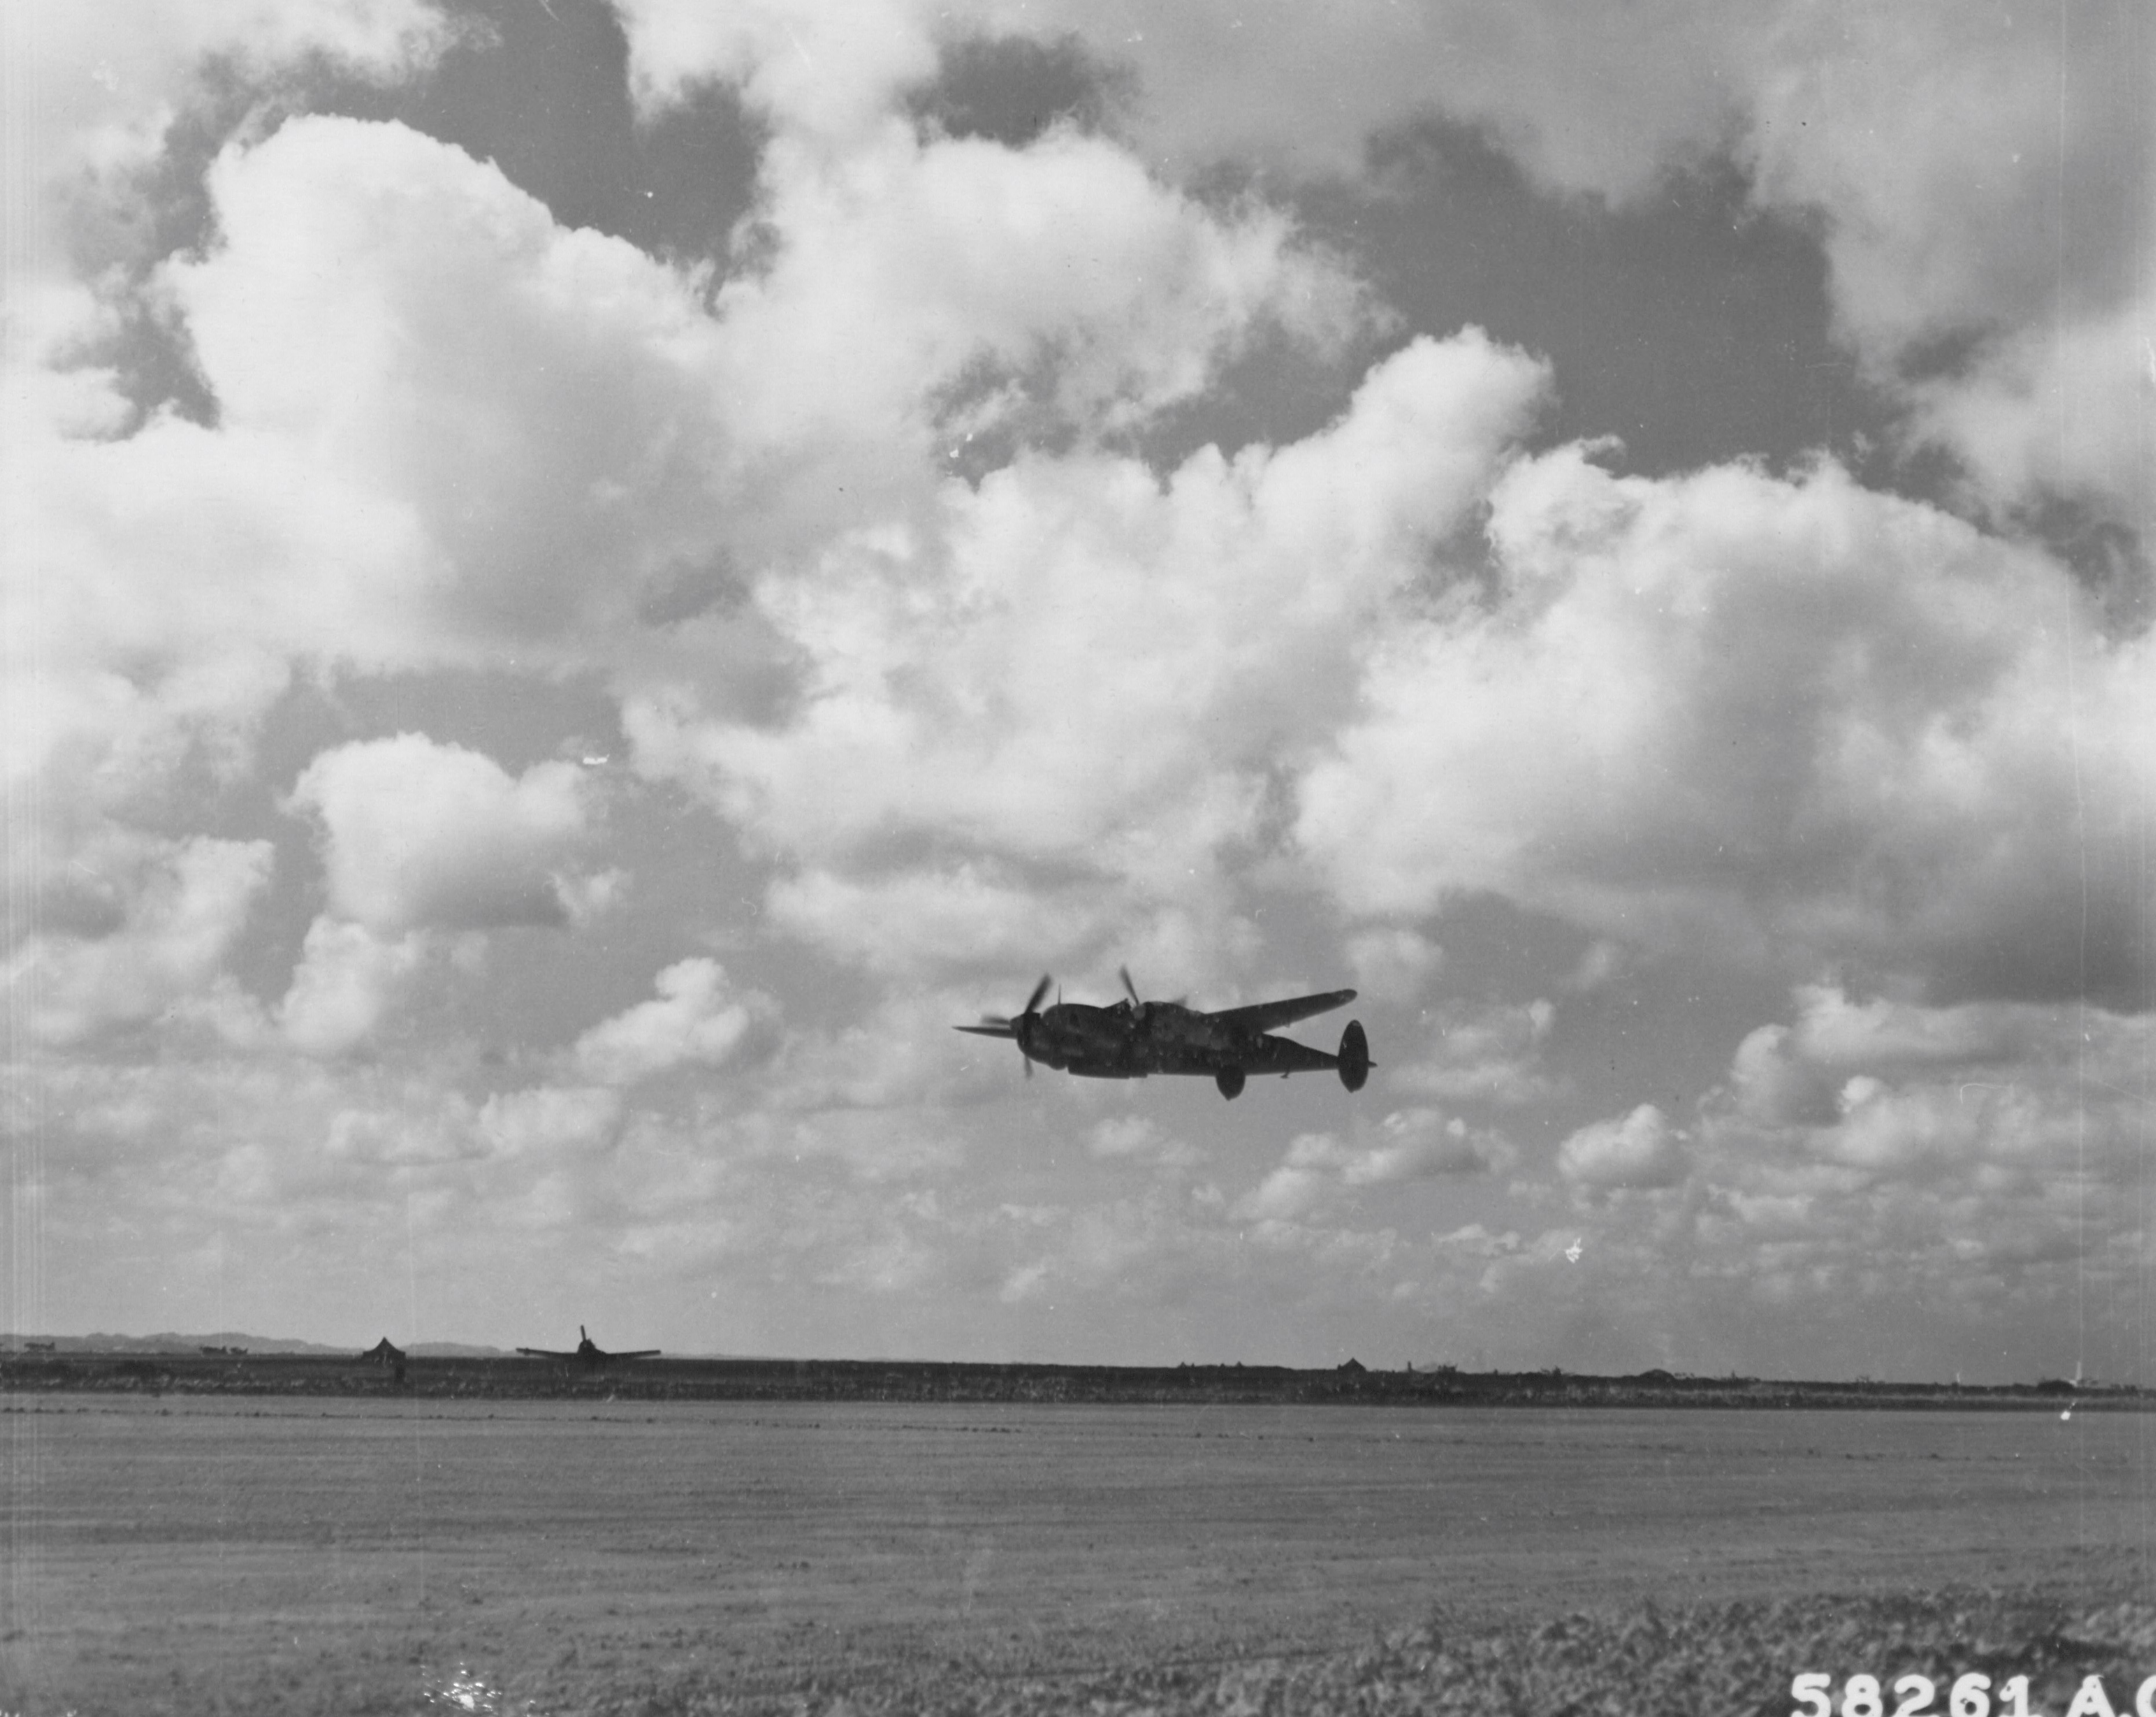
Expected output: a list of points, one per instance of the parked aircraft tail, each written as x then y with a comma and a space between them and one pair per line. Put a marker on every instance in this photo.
1354, 1056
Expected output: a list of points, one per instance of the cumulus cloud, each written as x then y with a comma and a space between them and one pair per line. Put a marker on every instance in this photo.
1083, 661
1983, 1160
152, 927
1059, 279
914, 919
1409, 1144
107, 97
548, 1121
417, 835
533, 405
1393, 965
827, 69
347, 975
1640, 1151
1484, 1054
1412, 1145
1139, 1138
1935, 150
696, 1016
1975, 180
1791, 716
1936, 153
2061, 410
1985, 1080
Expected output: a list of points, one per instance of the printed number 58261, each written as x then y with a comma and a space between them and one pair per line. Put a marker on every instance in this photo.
1970, 1696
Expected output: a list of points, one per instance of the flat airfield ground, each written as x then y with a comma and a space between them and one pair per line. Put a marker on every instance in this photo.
207, 1554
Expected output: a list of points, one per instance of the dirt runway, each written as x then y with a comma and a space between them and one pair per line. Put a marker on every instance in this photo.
203, 1554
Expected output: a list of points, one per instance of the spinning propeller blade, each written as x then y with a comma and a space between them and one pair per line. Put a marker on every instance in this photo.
1130, 990
1032, 1012
1017, 1027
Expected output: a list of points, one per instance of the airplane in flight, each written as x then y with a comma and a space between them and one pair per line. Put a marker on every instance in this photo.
587, 1351
1133, 1039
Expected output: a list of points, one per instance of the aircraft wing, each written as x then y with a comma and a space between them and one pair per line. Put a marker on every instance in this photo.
544, 1353
1270, 1016
642, 1353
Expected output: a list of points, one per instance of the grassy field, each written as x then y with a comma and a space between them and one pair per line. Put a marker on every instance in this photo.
200, 1555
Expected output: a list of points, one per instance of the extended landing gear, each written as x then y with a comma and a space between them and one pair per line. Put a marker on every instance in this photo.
1230, 1081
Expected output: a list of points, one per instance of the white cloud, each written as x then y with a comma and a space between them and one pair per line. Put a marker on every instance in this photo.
154, 923
1413, 1145
1937, 146
918, 918
1969, 177
1393, 965
1060, 276
1791, 716
1989, 1155
547, 1122
1409, 1144
1490, 1054
1986, 179
417, 835
534, 405
347, 975
1140, 1139
2069, 408
1640, 1151
109, 85
1083, 663
827, 68
696, 1016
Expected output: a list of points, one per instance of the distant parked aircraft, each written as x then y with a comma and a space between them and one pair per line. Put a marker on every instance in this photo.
1133, 1039
587, 1351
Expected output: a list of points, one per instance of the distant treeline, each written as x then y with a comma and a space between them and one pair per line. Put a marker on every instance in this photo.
512, 1378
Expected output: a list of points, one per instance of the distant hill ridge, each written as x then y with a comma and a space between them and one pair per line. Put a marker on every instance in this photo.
172, 1342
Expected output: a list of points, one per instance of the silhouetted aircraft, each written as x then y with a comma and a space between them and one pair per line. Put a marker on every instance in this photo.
1133, 1039
588, 1352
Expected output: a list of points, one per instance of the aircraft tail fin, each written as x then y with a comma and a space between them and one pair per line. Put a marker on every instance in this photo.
1354, 1056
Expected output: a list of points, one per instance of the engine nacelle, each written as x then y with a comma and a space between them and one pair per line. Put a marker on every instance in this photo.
1354, 1056
1230, 1081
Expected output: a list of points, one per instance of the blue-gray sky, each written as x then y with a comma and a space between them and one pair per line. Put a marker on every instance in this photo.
582, 581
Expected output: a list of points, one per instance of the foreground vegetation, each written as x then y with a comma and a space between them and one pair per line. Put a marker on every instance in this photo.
1720, 1660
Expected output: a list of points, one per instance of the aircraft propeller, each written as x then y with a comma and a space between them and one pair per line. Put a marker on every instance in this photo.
1019, 1027
1130, 990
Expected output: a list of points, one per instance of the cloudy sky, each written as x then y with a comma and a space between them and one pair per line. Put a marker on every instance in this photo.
582, 581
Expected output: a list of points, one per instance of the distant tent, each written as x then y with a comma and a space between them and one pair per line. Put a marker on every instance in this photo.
1351, 1366
384, 1353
